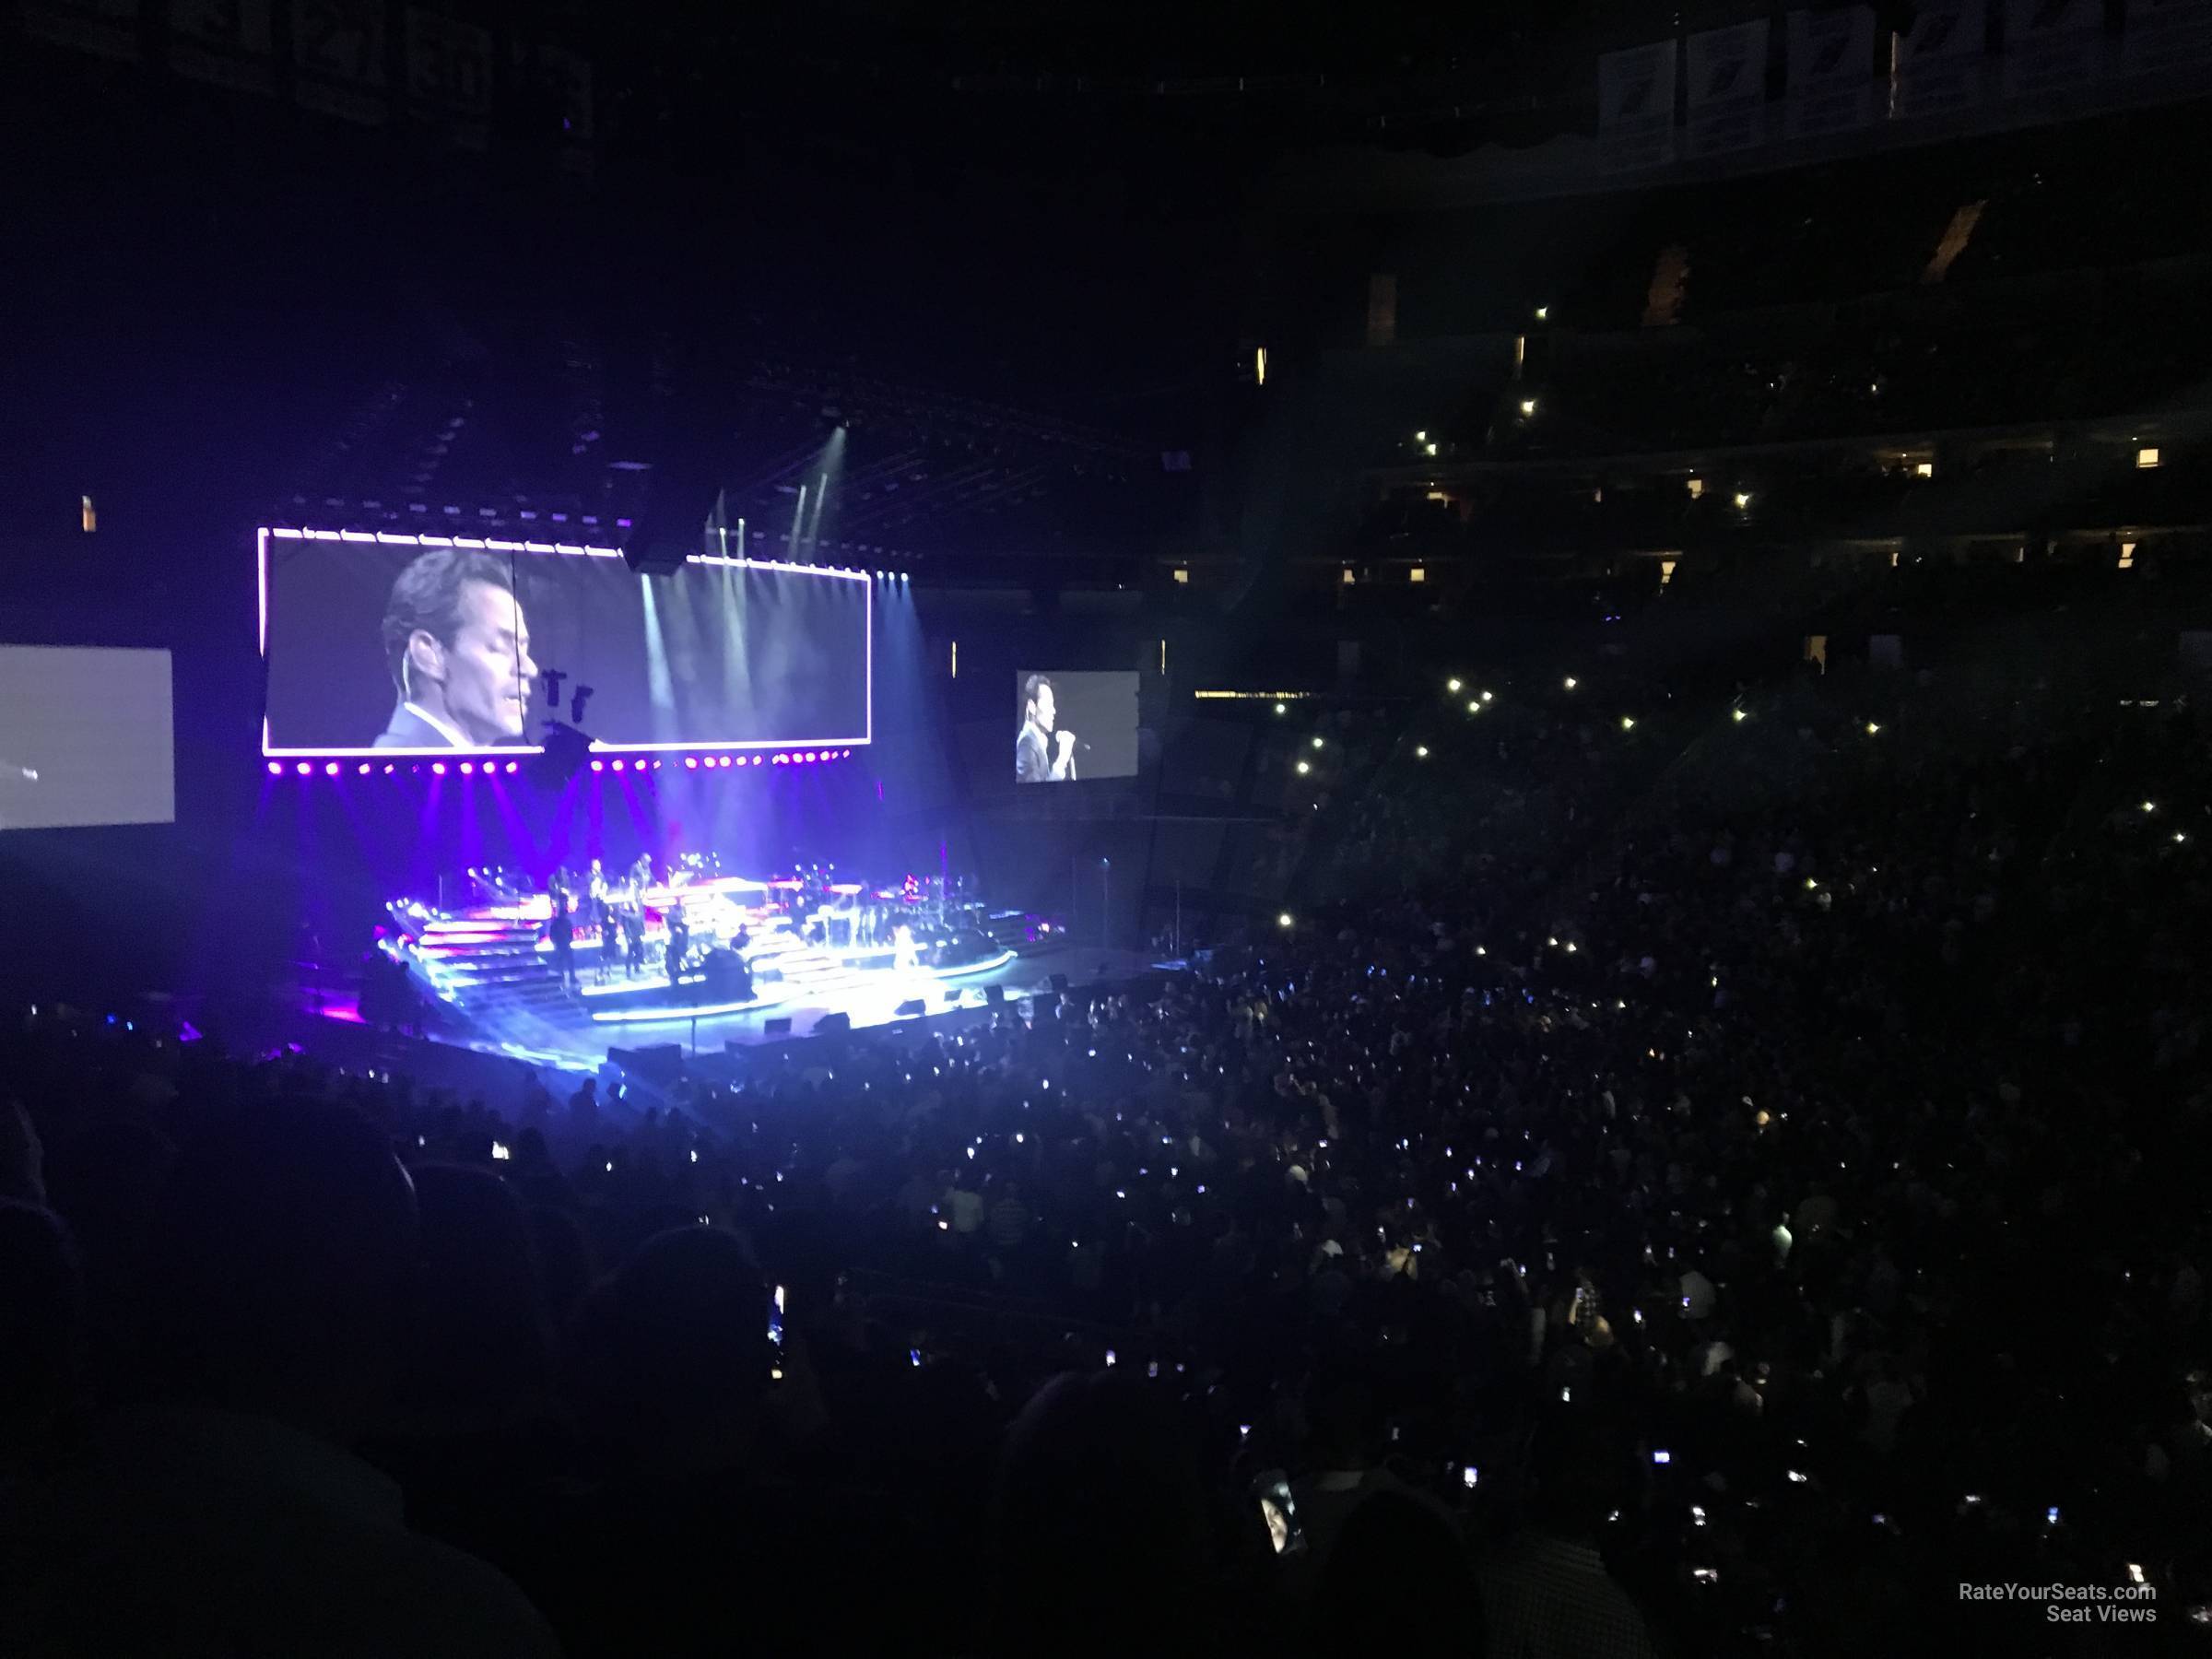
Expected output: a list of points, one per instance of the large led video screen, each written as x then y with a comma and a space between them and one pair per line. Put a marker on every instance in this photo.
1073, 725
86, 737
405, 645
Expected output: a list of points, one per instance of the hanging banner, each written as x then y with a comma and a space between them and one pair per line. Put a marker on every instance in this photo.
1830, 71
449, 77
339, 59
1636, 108
1727, 89
2053, 45
2166, 34
223, 43
1938, 62
108, 28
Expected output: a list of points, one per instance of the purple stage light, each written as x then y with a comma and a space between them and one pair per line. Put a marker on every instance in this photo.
690, 762
303, 768
756, 760
364, 769
598, 766
275, 769
514, 766
330, 769
468, 769
437, 768
388, 768
619, 765
657, 766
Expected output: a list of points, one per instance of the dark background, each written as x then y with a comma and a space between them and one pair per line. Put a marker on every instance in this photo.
794, 670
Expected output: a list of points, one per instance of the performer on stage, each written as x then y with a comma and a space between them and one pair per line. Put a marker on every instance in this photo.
680, 942
906, 956
561, 930
634, 936
610, 943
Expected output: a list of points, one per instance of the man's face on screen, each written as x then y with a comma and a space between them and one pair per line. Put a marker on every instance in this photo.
1044, 709
487, 668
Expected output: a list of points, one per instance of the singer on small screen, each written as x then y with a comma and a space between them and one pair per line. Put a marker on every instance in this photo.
1040, 754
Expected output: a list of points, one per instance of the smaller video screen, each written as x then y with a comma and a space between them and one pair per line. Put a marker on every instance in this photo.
85, 739
1071, 726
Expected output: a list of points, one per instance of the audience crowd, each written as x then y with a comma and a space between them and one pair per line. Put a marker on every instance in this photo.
1706, 1179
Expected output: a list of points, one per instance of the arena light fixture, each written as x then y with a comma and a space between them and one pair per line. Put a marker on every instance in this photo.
1451, 686
1571, 682
1283, 920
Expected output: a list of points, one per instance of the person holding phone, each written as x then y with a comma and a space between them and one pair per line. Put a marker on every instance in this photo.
1041, 755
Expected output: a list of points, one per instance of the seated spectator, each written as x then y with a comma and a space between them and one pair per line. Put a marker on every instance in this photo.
41, 1336
1547, 1593
1398, 1580
225, 1513
1099, 1531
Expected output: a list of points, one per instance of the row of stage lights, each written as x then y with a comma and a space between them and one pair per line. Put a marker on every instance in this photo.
438, 768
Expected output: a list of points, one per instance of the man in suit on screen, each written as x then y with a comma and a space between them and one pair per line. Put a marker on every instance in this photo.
459, 651
1040, 754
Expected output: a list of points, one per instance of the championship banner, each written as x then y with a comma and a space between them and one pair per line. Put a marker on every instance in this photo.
1727, 89
108, 28
223, 43
2053, 45
339, 59
1636, 108
1939, 62
449, 77
2166, 34
1830, 71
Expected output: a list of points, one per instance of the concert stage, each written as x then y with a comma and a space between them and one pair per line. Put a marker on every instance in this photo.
486, 975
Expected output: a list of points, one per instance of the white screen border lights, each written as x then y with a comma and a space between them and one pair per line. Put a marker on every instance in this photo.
401, 538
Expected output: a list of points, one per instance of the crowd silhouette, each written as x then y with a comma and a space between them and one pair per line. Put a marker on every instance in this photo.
1709, 1186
